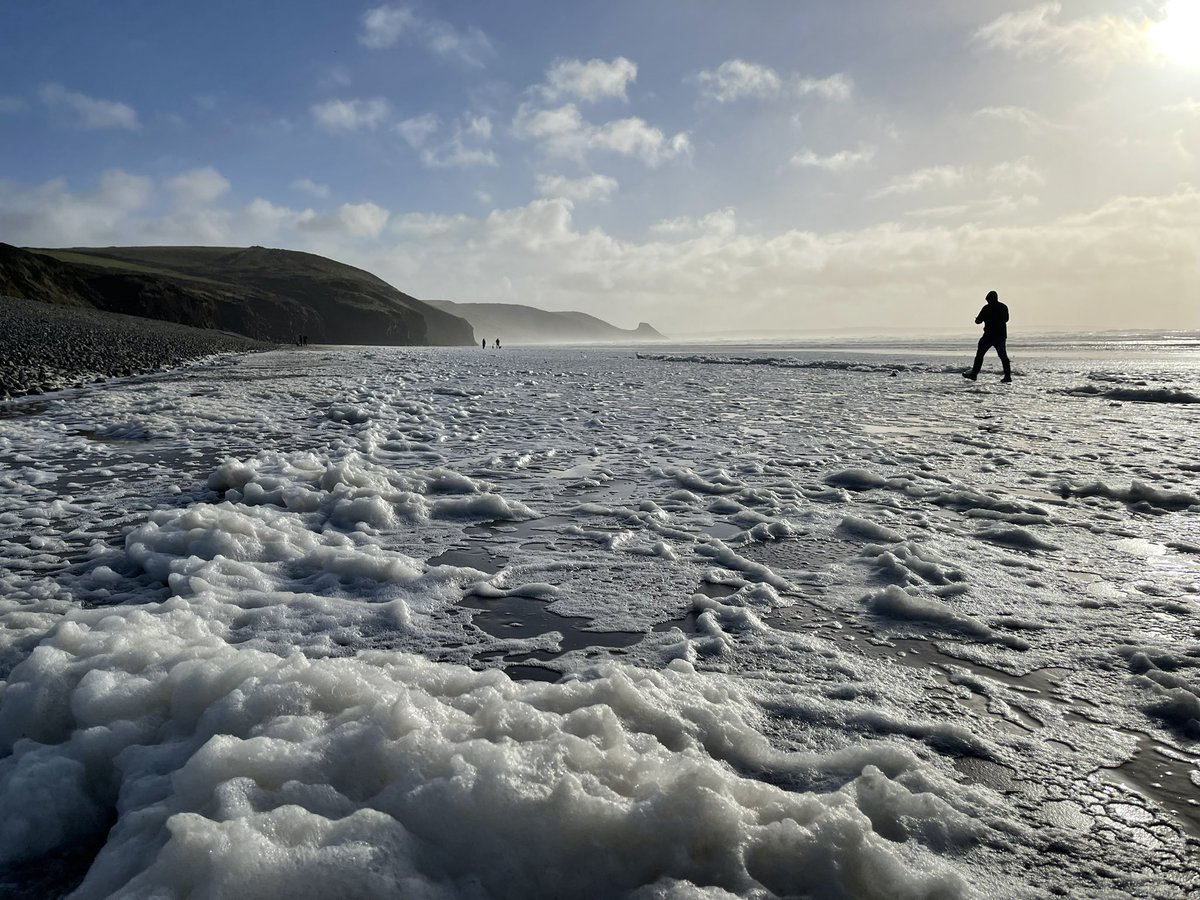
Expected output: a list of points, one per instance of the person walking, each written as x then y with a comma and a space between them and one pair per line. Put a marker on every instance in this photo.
994, 318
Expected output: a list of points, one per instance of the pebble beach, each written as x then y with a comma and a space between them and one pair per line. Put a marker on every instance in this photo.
46, 348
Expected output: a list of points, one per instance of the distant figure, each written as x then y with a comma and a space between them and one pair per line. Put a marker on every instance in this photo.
994, 318
497, 343
483, 344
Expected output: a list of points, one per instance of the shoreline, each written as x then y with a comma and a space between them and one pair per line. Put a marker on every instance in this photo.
44, 347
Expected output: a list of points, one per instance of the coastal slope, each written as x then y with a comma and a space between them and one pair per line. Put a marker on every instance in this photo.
47, 347
520, 324
265, 294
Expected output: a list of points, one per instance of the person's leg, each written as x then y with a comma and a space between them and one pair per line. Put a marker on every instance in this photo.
1002, 352
984, 343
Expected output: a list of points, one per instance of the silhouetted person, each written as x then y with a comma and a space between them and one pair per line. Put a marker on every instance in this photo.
497, 343
483, 344
994, 318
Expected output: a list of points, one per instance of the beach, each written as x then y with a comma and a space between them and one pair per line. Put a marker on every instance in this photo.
44, 347
669, 622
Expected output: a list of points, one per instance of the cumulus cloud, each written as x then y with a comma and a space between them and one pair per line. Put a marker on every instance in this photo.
1039, 31
736, 79
842, 161
589, 81
360, 219
562, 131
589, 187
351, 115
465, 147
1053, 271
88, 112
52, 214
198, 187
308, 186
835, 87
130, 209
385, 26
456, 155
424, 226
721, 222
902, 274
419, 129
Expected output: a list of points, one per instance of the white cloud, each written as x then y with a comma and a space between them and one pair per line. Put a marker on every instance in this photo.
1189, 107
1073, 268
351, 115
835, 87
994, 206
563, 132
423, 226
335, 77
842, 161
721, 223
470, 47
548, 123
1102, 40
1017, 115
454, 155
1019, 173
88, 112
589, 81
736, 79
385, 26
419, 129
478, 127
589, 187
996, 181
363, 219
465, 148
51, 215
932, 177
308, 186
199, 187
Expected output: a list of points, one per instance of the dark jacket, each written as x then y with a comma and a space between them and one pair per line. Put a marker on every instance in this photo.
994, 317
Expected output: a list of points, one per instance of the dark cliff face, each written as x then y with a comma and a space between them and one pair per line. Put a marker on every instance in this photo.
270, 295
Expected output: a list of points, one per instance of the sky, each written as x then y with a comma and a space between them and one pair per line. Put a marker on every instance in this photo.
708, 166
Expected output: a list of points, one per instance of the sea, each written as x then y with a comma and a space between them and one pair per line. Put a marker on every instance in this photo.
812, 618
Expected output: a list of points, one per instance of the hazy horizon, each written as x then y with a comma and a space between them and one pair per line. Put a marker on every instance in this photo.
803, 168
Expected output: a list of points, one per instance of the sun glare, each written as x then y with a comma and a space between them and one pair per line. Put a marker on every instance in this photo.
1178, 35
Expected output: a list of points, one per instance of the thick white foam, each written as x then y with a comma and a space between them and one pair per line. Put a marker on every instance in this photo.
227, 656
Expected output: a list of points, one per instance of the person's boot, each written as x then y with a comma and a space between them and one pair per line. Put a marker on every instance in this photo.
971, 375
1007, 379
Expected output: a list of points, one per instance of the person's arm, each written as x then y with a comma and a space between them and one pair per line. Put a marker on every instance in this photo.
1006, 314
979, 318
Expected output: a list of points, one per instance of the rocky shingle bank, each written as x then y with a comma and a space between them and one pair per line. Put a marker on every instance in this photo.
45, 347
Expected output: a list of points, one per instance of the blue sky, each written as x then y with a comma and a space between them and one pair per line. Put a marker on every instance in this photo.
804, 164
